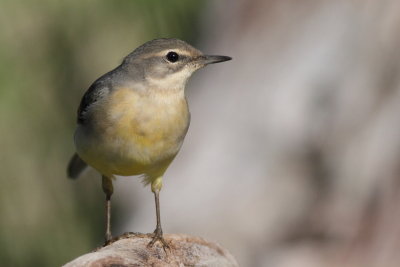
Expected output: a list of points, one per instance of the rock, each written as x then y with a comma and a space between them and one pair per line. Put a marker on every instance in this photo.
130, 250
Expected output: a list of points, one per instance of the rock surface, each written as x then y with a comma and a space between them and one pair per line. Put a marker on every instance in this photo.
130, 250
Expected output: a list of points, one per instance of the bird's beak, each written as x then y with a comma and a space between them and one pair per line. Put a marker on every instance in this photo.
206, 59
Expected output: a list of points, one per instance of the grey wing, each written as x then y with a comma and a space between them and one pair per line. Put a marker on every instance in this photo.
95, 92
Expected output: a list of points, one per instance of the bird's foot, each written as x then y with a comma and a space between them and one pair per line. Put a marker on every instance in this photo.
108, 239
158, 236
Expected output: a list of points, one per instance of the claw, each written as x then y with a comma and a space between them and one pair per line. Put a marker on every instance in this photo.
158, 236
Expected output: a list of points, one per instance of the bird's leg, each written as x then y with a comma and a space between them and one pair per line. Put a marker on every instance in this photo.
158, 233
108, 190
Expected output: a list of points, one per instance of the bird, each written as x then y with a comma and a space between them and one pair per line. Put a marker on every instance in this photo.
132, 120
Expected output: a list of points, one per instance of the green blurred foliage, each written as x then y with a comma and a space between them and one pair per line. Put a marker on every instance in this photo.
50, 52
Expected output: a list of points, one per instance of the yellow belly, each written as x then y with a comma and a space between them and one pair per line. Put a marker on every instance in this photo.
134, 133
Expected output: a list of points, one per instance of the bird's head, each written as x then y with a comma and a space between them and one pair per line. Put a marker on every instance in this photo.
167, 64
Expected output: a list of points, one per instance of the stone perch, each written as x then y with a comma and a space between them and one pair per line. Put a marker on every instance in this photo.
130, 250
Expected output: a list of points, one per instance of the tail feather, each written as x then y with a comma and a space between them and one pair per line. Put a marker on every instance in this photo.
75, 167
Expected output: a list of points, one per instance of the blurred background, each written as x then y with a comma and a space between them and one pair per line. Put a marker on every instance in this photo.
292, 157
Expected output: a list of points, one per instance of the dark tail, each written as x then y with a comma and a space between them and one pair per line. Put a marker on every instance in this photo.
75, 167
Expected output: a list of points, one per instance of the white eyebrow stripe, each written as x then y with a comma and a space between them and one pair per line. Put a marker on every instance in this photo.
178, 51
163, 53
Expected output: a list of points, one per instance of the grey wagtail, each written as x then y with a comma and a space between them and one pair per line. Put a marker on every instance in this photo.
133, 119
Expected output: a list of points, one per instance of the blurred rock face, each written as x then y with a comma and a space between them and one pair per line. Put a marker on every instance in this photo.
293, 151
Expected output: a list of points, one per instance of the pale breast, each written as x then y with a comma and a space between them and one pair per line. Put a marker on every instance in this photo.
138, 131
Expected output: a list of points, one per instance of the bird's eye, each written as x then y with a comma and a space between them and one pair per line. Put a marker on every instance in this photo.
172, 56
